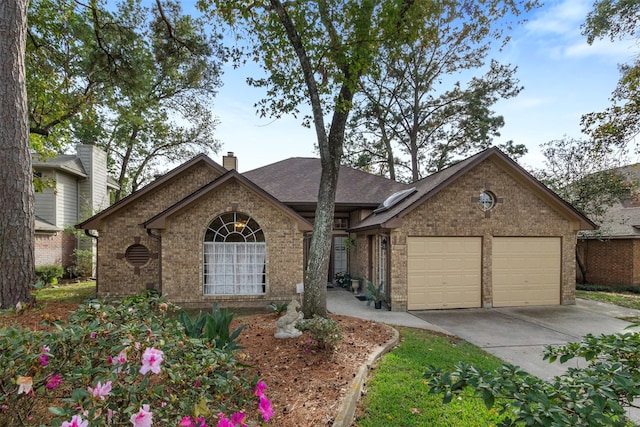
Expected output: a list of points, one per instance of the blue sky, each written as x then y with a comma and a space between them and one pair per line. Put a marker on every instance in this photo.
563, 78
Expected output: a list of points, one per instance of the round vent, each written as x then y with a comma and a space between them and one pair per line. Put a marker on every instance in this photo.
137, 255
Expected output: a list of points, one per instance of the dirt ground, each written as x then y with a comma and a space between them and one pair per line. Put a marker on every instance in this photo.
306, 387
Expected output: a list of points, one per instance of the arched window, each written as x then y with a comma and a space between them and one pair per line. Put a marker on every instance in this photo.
234, 256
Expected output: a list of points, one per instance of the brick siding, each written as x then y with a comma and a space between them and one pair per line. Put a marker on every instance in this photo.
116, 277
451, 212
182, 241
613, 262
181, 254
54, 249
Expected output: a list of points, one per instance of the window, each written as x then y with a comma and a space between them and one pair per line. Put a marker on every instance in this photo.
234, 256
340, 223
487, 200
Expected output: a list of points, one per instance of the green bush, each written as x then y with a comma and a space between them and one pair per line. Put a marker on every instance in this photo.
597, 394
82, 263
49, 274
326, 333
343, 279
92, 368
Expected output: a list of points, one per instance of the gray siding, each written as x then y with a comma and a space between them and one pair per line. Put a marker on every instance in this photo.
45, 202
67, 206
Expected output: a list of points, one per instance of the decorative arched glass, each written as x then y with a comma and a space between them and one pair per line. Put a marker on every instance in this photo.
234, 256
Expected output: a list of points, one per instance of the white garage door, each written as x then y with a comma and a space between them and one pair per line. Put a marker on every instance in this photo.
444, 272
526, 271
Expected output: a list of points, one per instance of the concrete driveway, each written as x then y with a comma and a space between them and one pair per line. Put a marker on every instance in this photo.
518, 335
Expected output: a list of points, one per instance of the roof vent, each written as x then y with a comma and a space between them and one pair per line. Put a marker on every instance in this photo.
394, 199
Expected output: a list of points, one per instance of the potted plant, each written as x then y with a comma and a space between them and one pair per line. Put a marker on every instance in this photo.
375, 294
355, 284
343, 279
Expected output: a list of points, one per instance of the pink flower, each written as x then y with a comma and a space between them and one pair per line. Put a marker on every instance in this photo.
151, 360
260, 388
224, 422
53, 382
197, 383
202, 422
143, 418
265, 408
186, 422
101, 391
238, 418
76, 421
44, 359
122, 357
94, 335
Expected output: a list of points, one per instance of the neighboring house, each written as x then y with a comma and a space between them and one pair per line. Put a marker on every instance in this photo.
611, 256
80, 188
482, 233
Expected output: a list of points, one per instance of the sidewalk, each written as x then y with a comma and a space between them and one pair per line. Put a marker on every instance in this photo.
340, 301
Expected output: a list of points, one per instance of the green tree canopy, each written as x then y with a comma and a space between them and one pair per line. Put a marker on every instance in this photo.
619, 124
135, 80
316, 53
413, 113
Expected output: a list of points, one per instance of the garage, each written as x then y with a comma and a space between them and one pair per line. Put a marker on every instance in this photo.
444, 272
526, 271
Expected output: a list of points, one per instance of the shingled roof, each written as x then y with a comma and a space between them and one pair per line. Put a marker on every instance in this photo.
295, 181
63, 162
431, 185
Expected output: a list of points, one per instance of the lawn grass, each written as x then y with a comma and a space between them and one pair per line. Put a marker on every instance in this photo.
397, 394
623, 299
75, 293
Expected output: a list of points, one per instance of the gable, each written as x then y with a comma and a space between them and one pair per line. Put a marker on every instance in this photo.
455, 210
231, 178
450, 177
159, 194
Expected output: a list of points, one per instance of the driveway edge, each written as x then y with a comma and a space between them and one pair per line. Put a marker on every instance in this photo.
347, 409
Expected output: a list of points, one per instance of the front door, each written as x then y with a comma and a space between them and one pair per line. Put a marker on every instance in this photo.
340, 261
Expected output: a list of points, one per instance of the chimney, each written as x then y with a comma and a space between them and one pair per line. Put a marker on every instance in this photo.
230, 162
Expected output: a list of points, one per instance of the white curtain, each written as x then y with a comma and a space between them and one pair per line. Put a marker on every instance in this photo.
234, 268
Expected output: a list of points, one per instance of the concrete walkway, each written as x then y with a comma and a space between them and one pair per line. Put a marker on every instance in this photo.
517, 335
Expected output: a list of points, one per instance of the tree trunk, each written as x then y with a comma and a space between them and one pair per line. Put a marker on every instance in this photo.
581, 267
16, 177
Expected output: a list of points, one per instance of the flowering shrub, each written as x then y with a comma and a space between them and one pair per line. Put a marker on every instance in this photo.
126, 364
326, 333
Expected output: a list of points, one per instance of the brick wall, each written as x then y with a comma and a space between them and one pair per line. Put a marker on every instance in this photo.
116, 277
611, 262
182, 253
452, 213
54, 249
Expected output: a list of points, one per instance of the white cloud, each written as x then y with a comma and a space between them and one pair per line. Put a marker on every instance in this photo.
560, 18
621, 51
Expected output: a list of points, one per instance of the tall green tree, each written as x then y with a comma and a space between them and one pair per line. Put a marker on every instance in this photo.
619, 124
413, 115
317, 53
16, 188
136, 80
587, 176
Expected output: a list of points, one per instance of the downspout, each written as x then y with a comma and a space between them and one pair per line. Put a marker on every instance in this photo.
94, 236
159, 239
